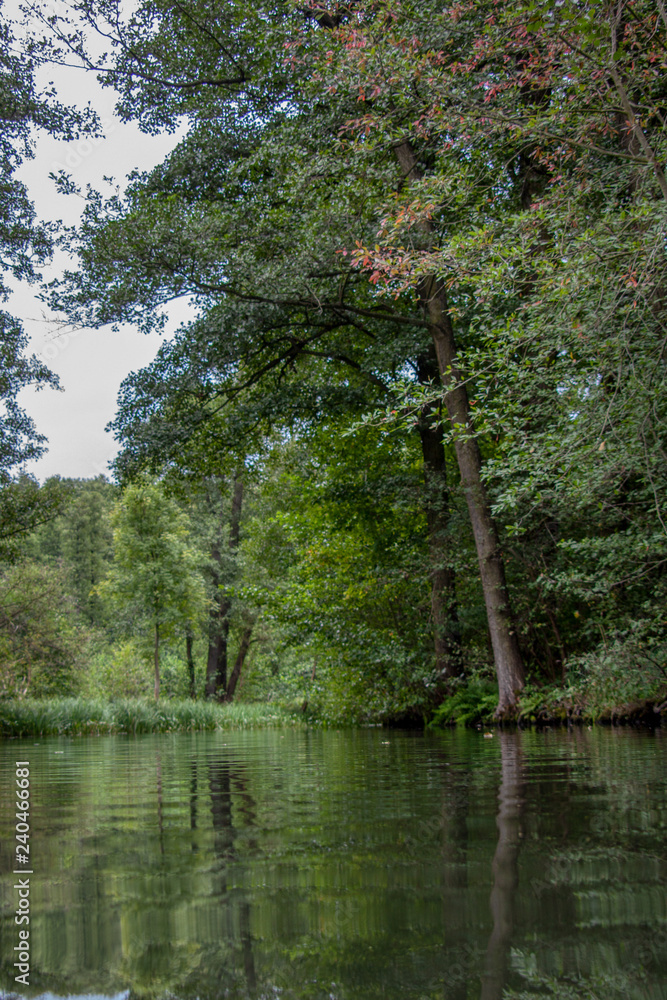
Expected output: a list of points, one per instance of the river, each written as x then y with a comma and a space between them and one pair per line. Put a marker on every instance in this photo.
341, 865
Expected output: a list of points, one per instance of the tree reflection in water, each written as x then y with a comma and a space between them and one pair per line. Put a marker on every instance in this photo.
505, 868
313, 866
222, 778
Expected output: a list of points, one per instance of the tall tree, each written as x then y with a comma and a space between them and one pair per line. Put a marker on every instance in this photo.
277, 204
223, 572
43, 646
532, 137
156, 570
87, 542
25, 244
487, 160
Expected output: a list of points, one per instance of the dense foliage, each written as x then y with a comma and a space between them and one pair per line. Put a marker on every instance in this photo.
25, 244
42, 649
417, 424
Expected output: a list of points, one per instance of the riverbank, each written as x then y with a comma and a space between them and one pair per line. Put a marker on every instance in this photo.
86, 717
472, 706
476, 704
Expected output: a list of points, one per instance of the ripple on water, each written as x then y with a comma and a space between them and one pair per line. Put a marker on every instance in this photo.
354, 865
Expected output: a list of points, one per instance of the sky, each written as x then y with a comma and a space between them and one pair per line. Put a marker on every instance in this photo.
91, 364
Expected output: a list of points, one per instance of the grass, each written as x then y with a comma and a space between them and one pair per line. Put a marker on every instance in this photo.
84, 717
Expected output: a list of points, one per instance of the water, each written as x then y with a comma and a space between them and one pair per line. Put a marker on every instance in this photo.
342, 865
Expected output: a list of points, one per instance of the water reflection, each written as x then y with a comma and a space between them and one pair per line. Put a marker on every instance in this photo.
345, 866
221, 778
505, 866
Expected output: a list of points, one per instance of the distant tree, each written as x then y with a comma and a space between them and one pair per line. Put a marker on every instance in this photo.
216, 504
155, 571
87, 547
42, 643
79, 539
25, 505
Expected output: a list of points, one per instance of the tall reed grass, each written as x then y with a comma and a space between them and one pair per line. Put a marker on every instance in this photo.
81, 716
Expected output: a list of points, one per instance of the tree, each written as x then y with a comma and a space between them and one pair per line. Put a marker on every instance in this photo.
79, 539
25, 244
336, 557
156, 570
281, 308
87, 545
533, 138
484, 161
215, 504
42, 642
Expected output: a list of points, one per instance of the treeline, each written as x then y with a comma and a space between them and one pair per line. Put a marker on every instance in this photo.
424, 248
290, 579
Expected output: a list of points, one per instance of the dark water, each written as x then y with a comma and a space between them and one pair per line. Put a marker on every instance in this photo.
343, 865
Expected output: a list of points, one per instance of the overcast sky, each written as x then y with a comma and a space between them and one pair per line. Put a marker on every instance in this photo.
92, 364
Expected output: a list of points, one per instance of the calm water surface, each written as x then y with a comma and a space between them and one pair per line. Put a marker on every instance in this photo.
343, 865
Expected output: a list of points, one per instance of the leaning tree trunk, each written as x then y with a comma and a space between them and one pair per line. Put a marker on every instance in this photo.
216, 666
506, 652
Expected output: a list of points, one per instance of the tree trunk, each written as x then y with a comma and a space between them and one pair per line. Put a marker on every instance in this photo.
240, 660
191, 663
156, 658
506, 652
505, 867
446, 634
216, 666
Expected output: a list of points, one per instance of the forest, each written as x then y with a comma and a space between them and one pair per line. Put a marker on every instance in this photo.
406, 462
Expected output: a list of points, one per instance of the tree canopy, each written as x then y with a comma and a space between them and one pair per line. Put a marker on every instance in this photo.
155, 568
25, 244
435, 235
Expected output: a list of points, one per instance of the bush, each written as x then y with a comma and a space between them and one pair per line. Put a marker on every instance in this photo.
473, 703
42, 644
125, 670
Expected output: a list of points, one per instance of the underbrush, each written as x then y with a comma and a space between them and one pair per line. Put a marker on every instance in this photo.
79, 716
470, 704
605, 687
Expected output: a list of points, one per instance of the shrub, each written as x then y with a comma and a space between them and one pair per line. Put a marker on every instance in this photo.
42, 643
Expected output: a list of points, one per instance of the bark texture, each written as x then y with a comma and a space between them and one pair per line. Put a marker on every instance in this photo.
156, 662
216, 665
506, 652
240, 660
446, 634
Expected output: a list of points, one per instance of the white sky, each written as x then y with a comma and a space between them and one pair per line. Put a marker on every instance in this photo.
92, 363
